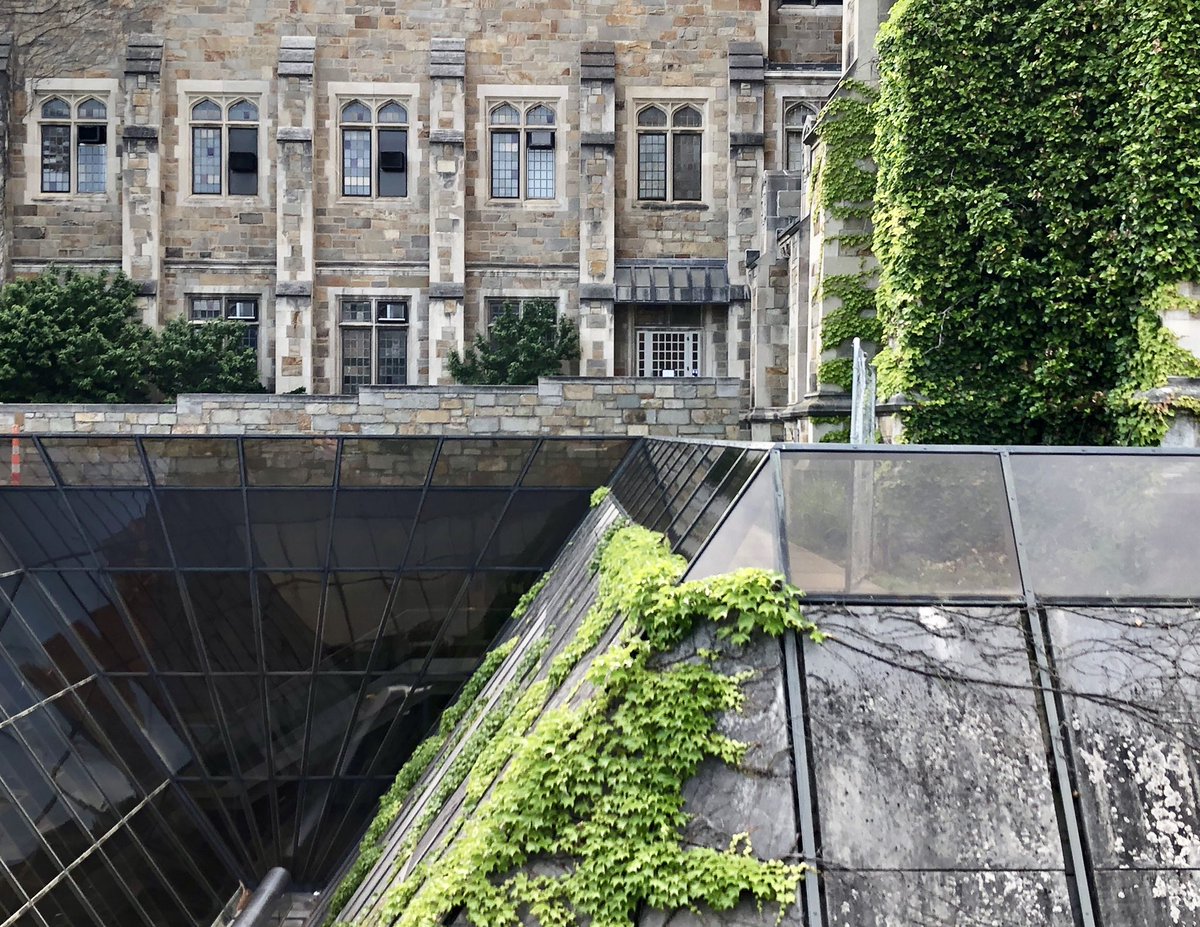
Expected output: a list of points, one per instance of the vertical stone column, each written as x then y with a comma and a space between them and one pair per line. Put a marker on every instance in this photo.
447, 202
5, 106
141, 172
597, 207
294, 235
767, 332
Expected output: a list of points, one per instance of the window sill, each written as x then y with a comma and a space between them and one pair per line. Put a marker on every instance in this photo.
554, 205
222, 199
40, 197
379, 202
654, 206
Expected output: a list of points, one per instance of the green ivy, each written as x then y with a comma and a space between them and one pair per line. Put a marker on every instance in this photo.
1036, 191
599, 781
598, 496
839, 372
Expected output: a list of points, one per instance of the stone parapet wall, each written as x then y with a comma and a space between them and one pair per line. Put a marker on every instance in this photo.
701, 407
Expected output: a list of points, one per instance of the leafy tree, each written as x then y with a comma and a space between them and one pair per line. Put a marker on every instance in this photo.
520, 347
72, 337
208, 358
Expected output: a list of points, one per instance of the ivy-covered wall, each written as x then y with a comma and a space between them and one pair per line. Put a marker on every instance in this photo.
1038, 198
555, 787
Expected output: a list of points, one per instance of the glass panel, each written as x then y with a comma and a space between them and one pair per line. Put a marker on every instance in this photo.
243, 162
45, 625
534, 528
99, 884
540, 173
288, 701
44, 805
201, 462
687, 117
356, 310
96, 461
92, 108
652, 116
225, 616
11, 896
120, 762
393, 112
354, 608
156, 723
92, 613
164, 843
1109, 526
356, 162
421, 606
56, 109
193, 699
243, 111
685, 181
206, 159
22, 465
896, 524
481, 461
488, 603
290, 604
336, 698
506, 115
652, 166
290, 527
142, 878
40, 529
154, 603
584, 463
392, 358
206, 529
454, 527
386, 461
795, 151
56, 159
371, 528
506, 165
393, 165
205, 308
354, 111
290, 462
122, 526
92, 158
356, 358
63, 906
206, 110
241, 699
25, 855
540, 115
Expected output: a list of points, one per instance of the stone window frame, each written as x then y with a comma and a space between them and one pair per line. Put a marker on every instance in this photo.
523, 97
670, 98
223, 93
73, 92
373, 94
416, 313
496, 289
791, 130
265, 320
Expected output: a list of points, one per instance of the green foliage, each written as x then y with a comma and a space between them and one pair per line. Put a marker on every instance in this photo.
520, 347
531, 593
598, 782
598, 496
208, 358
839, 372
72, 337
1037, 186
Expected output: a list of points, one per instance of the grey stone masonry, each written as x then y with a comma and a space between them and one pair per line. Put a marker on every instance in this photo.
5, 222
1181, 399
701, 407
141, 170
597, 206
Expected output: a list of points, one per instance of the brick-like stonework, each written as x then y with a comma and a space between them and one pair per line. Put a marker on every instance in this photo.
695, 407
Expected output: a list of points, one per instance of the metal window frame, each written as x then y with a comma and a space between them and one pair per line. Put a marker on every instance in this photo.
521, 128
224, 100
373, 325
72, 122
668, 132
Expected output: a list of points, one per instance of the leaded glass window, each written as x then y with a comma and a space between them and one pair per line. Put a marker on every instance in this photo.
374, 148
374, 339
225, 146
523, 149
243, 309
795, 122
74, 145
670, 153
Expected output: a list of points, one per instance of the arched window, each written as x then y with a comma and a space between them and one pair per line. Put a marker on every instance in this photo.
225, 146
374, 148
74, 145
796, 122
522, 148
670, 145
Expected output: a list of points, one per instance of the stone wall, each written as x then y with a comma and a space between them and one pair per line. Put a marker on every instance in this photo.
700, 407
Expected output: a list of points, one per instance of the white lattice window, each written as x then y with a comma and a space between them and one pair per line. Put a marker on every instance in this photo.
668, 352
522, 151
374, 342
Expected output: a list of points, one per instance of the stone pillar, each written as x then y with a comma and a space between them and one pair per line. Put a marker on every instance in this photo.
294, 235
767, 349
141, 173
447, 202
597, 207
5, 103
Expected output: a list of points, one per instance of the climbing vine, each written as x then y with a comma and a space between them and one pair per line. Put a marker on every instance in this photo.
575, 812
1036, 194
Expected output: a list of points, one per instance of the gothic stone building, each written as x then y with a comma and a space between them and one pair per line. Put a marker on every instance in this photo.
363, 186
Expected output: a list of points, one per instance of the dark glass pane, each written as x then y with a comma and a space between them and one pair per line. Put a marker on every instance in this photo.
93, 461
122, 527
35, 658
382, 700
22, 851
393, 167
22, 465
243, 162
454, 527
481, 461
207, 529
1110, 526
194, 702
386, 461
422, 710
354, 606
290, 461
896, 524
652, 166
506, 165
154, 603
200, 462
686, 166
40, 529
175, 839
478, 618
98, 883
15, 693
576, 463
290, 527
215, 809
287, 705
225, 616
716, 506
62, 905
534, 527
335, 700
11, 896
422, 604
371, 528
135, 870
345, 800
156, 722
242, 703
38, 796
682, 529
100, 735
90, 608
749, 537
678, 483
391, 355
291, 604
56, 159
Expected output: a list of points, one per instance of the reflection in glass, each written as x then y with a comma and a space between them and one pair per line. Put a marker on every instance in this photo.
453, 528
205, 529
121, 526
291, 607
386, 461
194, 462
41, 531
92, 461
290, 461
531, 531
371, 528
481, 461
152, 600
576, 462
290, 528
749, 537
22, 465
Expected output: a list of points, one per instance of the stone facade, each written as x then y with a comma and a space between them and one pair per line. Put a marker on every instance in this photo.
296, 246
700, 408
